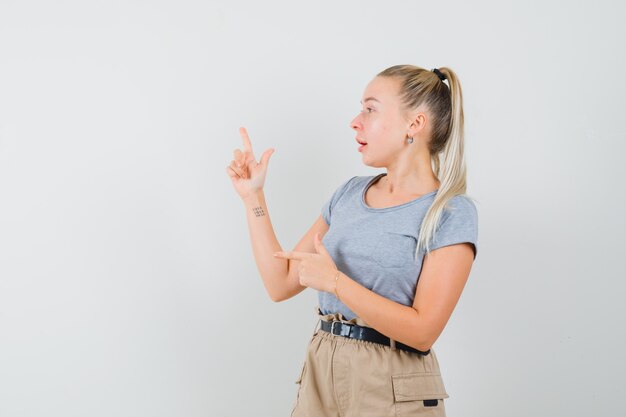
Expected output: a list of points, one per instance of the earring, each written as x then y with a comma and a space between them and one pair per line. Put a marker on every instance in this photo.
410, 140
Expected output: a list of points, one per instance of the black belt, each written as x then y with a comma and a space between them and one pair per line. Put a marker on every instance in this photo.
353, 331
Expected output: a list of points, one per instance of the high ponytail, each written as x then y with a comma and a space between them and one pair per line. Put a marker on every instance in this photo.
444, 99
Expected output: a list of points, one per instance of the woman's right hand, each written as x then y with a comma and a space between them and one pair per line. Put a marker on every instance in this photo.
247, 175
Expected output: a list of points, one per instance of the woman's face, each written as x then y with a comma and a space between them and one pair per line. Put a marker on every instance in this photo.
380, 123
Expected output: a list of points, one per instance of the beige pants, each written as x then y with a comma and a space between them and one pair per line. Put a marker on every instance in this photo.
344, 377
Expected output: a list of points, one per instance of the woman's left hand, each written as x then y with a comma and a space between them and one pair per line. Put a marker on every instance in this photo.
316, 270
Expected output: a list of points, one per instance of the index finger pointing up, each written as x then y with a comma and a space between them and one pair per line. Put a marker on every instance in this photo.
246, 140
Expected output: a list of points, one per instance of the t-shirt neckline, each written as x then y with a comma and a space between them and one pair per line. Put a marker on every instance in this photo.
381, 209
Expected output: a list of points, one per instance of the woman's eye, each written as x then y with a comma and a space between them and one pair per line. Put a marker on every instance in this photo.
368, 110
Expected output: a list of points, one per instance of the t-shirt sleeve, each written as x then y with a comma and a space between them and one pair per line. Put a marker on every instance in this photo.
328, 206
459, 224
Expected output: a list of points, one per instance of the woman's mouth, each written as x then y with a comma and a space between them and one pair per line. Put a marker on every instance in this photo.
362, 143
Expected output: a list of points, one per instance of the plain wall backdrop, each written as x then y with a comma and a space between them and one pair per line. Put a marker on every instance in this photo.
128, 285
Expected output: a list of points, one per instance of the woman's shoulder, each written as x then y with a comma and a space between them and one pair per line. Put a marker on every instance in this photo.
462, 201
461, 205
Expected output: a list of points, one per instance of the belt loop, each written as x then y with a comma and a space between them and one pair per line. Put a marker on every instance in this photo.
392, 344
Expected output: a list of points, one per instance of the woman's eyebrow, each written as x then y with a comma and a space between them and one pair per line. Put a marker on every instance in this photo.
370, 98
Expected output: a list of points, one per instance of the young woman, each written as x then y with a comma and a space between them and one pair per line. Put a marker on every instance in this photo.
382, 235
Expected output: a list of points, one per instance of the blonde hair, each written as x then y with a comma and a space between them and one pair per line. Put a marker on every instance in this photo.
445, 101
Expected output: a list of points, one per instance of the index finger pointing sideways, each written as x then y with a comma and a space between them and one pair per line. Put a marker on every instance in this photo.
246, 139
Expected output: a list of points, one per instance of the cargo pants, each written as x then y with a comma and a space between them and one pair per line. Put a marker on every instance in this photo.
343, 377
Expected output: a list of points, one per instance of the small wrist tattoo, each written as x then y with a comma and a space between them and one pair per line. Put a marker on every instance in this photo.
258, 211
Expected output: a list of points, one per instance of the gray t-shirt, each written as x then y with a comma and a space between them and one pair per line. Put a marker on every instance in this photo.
376, 246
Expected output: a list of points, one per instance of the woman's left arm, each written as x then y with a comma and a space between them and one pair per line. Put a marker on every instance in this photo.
442, 279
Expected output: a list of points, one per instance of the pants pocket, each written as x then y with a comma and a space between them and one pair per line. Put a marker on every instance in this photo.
419, 394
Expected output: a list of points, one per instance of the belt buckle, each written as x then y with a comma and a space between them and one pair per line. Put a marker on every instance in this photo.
332, 327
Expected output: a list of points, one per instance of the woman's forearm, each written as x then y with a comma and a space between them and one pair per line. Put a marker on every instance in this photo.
264, 243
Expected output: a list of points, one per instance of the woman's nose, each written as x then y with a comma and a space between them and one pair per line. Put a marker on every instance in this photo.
355, 123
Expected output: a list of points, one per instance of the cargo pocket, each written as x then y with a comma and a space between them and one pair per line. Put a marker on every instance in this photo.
419, 394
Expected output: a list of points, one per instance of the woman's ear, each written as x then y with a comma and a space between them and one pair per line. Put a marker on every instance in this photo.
418, 121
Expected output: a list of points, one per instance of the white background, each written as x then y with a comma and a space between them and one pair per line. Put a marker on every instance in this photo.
127, 281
